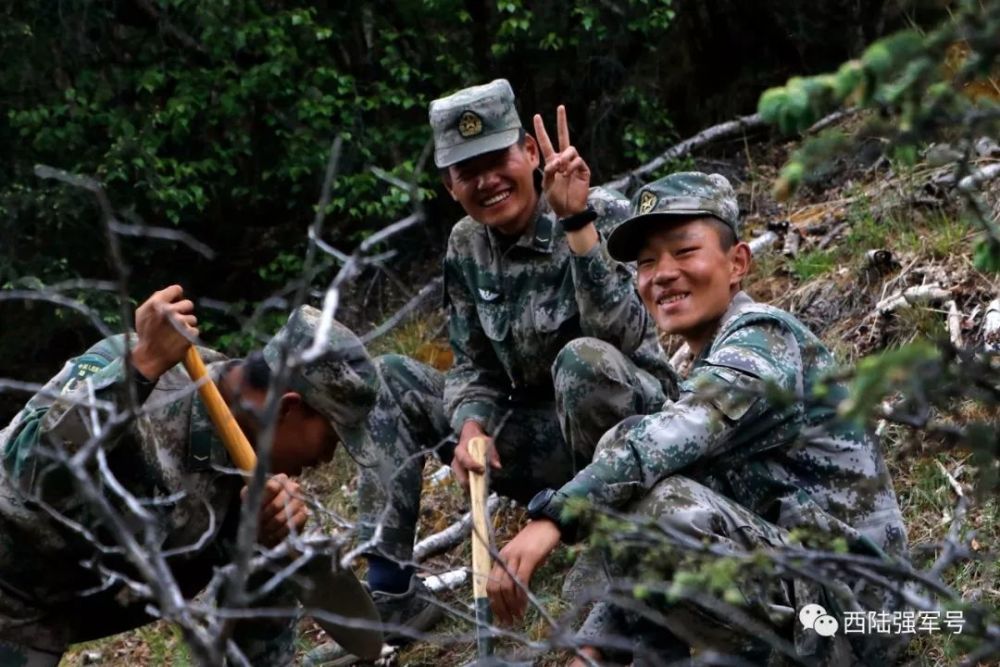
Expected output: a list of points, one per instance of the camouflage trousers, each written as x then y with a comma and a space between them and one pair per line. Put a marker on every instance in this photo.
542, 442
688, 516
36, 635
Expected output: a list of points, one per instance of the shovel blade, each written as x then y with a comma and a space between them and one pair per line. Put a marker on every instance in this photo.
338, 592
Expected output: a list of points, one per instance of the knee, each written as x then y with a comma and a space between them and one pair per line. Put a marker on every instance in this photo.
582, 359
679, 504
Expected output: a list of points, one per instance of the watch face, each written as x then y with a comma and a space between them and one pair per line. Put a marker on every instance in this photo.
537, 504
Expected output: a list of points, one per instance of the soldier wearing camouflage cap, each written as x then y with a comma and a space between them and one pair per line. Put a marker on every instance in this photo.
712, 464
551, 343
170, 452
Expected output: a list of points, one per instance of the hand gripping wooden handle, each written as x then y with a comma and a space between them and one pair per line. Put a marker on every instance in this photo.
225, 423
481, 559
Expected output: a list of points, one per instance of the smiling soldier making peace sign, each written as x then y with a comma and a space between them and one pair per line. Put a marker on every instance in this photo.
552, 345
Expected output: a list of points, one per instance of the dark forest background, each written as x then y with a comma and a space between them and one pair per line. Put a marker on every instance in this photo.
216, 119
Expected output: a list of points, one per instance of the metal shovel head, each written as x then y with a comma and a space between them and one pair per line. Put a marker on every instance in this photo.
338, 592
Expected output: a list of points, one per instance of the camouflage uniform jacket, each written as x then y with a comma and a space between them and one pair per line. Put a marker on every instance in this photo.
512, 308
169, 453
792, 463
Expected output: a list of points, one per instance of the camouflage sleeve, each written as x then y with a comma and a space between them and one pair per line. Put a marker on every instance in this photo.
476, 382
722, 405
62, 413
610, 307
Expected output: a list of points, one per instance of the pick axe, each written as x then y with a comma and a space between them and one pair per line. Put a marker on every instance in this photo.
331, 589
482, 561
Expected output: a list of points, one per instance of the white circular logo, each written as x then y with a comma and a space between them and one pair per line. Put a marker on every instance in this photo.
826, 626
809, 614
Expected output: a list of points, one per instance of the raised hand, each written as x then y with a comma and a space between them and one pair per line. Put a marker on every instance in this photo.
567, 176
165, 324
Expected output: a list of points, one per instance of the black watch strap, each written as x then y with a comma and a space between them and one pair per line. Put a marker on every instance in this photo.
577, 221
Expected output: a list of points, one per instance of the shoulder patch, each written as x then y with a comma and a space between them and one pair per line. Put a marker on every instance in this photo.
83, 367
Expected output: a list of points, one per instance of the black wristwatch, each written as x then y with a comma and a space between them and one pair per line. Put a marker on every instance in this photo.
548, 504
577, 221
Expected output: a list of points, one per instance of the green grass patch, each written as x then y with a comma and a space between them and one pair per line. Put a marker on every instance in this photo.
808, 265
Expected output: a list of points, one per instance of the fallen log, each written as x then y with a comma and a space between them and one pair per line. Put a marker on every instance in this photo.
911, 296
793, 241
716, 132
762, 242
832, 235
451, 536
991, 327
880, 259
446, 581
954, 324
978, 178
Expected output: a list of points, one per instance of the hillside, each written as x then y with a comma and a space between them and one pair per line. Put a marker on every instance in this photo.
860, 233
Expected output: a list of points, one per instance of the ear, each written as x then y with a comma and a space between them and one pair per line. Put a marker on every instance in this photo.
739, 263
531, 150
446, 182
291, 400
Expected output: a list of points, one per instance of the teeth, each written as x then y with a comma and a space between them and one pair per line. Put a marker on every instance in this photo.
496, 199
673, 299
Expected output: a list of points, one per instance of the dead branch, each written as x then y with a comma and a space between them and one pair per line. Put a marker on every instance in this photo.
447, 581
956, 487
725, 130
980, 177
793, 240
832, 235
911, 296
991, 326
425, 293
954, 324
451, 536
762, 242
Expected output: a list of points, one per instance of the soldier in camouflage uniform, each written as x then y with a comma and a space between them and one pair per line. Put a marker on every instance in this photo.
722, 462
552, 345
52, 589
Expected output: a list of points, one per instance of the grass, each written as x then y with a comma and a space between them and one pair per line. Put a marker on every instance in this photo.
812, 264
926, 497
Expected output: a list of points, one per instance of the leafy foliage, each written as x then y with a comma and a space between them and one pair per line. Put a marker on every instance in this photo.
926, 84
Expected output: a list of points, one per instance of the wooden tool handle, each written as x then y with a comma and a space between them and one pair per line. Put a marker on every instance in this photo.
481, 559
225, 423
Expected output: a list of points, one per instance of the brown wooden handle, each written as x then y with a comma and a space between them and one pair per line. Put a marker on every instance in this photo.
236, 443
481, 559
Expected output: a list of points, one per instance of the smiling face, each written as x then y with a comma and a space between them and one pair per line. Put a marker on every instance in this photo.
498, 188
686, 278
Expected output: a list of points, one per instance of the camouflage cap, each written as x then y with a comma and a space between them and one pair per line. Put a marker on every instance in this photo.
341, 383
474, 121
686, 193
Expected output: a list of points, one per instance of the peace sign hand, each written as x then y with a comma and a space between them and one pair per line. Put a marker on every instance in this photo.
567, 177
